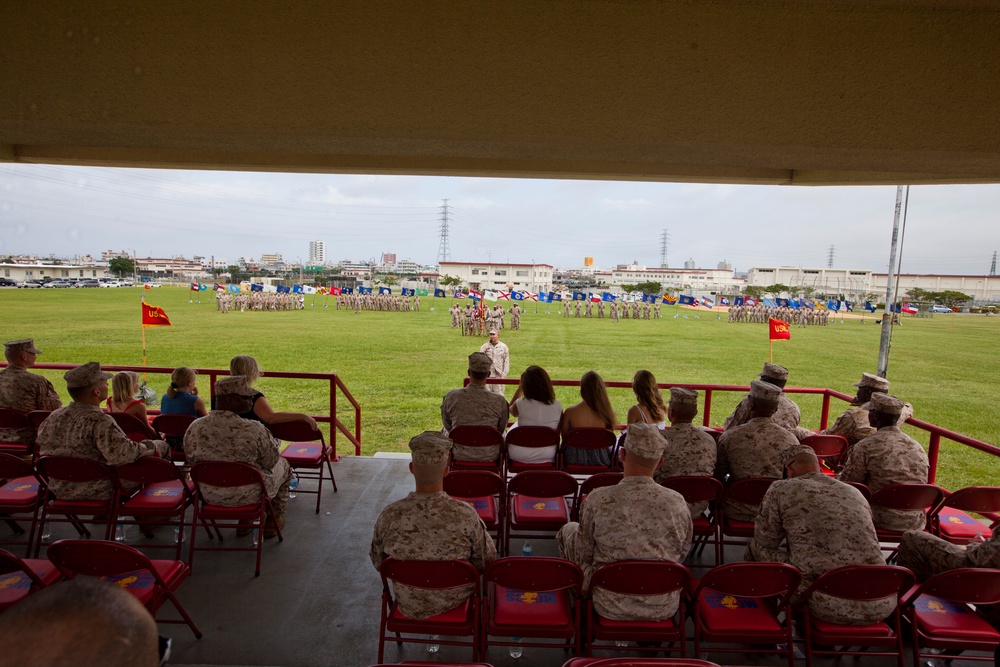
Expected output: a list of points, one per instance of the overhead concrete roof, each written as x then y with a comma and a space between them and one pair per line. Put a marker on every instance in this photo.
785, 92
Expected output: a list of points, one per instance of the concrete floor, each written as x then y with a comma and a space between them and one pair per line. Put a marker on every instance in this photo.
317, 599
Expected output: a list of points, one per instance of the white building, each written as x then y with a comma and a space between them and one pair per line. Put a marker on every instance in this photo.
698, 280
40, 270
270, 259
490, 275
822, 281
317, 253
982, 289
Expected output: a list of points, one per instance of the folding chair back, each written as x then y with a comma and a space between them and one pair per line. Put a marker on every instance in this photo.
36, 417
903, 497
749, 491
164, 494
594, 439
133, 426
307, 453
76, 469
431, 575
830, 450
950, 520
538, 502
534, 437
701, 489
470, 435
863, 582
863, 488
152, 582
17, 421
637, 662
638, 577
485, 491
591, 483
20, 578
173, 428
19, 494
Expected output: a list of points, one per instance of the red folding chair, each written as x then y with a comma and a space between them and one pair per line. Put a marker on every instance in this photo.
164, 495
477, 436
950, 520
73, 469
750, 491
743, 603
133, 426
20, 578
36, 417
538, 504
863, 488
486, 492
228, 474
638, 577
830, 450
20, 494
856, 582
533, 437
702, 489
307, 451
597, 481
592, 439
153, 582
940, 617
438, 575
534, 597
908, 497
172, 428
18, 421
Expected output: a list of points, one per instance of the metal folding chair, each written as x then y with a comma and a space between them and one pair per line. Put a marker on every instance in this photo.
307, 452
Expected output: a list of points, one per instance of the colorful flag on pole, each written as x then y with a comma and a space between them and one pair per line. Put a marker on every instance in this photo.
530, 295
297, 289
503, 295
308, 289
779, 329
385, 290
555, 296
440, 294
234, 289
219, 288
870, 307
723, 301
422, 291
782, 303
336, 291
750, 301
545, 297
347, 290
707, 302
607, 297
202, 287
408, 292
146, 286
490, 295
153, 316
256, 287
282, 289
517, 296
669, 299
194, 287
849, 305
738, 301
459, 294
686, 300
908, 309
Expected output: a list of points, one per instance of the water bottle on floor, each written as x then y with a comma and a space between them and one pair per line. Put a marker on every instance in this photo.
46, 531
121, 530
433, 648
293, 484
518, 650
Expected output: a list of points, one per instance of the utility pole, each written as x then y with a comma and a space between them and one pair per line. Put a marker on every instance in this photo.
665, 244
829, 260
890, 291
444, 248
993, 266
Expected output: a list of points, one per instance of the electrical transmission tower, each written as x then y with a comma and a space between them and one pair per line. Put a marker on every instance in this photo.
993, 266
664, 244
829, 259
444, 248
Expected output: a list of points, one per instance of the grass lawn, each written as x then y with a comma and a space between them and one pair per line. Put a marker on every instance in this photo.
400, 365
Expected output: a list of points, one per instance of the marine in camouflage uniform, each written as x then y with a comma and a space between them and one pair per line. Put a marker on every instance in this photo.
753, 449
83, 430
853, 424
689, 450
223, 435
24, 391
499, 356
428, 525
634, 519
888, 457
787, 414
475, 405
827, 524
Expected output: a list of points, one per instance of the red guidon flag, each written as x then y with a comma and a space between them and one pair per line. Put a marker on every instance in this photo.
779, 329
153, 316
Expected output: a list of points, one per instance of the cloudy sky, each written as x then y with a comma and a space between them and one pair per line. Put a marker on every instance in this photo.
67, 211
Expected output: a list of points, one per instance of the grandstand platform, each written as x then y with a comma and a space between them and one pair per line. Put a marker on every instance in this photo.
317, 599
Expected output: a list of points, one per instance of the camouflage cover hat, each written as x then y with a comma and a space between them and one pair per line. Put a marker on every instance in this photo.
83, 376
873, 381
644, 441
764, 390
682, 395
26, 345
494, 330
788, 455
774, 371
430, 448
480, 362
233, 384
886, 404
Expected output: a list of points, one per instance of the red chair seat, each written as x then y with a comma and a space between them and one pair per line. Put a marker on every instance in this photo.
142, 584
609, 624
22, 491
529, 510
736, 528
828, 629
79, 506
730, 614
936, 616
303, 453
165, 496
702, 526
959, 526
459, 616
14, 586
486, 508
545, 609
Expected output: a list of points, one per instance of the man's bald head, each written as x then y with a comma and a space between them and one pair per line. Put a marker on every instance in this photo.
84, 621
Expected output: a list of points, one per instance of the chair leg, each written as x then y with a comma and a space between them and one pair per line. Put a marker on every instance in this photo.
319, 489
183, 612
329, 467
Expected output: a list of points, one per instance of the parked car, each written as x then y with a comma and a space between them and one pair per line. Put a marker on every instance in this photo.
29, 284
88, 283
109, 282
7, 282
58, 284
941, 309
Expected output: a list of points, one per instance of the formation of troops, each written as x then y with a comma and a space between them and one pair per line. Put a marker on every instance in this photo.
616, 310
380, 302
258, 301
474, 321
760, 314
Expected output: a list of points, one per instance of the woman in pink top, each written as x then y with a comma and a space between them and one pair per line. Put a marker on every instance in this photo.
124, 387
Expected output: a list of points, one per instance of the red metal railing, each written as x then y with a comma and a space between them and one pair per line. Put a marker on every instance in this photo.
333, 380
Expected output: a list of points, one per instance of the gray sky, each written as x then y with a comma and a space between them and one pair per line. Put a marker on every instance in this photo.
70, 211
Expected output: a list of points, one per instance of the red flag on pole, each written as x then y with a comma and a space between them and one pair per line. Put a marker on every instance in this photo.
153, 316
779, 329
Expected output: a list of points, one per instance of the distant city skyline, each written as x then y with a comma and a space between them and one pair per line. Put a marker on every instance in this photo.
69, 211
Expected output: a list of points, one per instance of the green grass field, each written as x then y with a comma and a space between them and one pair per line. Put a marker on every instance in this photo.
400, 365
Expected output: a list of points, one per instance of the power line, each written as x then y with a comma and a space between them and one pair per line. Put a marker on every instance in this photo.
444, 248
829, 260
664, 244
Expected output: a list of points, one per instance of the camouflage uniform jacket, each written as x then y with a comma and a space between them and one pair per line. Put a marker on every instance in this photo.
689, 451
827, 524
888, 457
474, 405
431, 526
83, 430
786, 416
24, 391
751, 450
634, 519
854, 424
225, 436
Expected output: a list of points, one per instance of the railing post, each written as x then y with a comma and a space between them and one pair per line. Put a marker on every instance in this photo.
824, 417
933, 453
333, 417
706, 417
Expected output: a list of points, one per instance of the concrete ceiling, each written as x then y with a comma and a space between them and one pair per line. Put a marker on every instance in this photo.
807, 92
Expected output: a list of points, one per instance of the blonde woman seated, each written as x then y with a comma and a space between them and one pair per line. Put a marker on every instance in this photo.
594, 411
649, 408
182, 396
124, 388
534, 404
260, 409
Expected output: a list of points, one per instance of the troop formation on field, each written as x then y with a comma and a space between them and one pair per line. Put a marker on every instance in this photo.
224, 302
760, 314
383, 302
